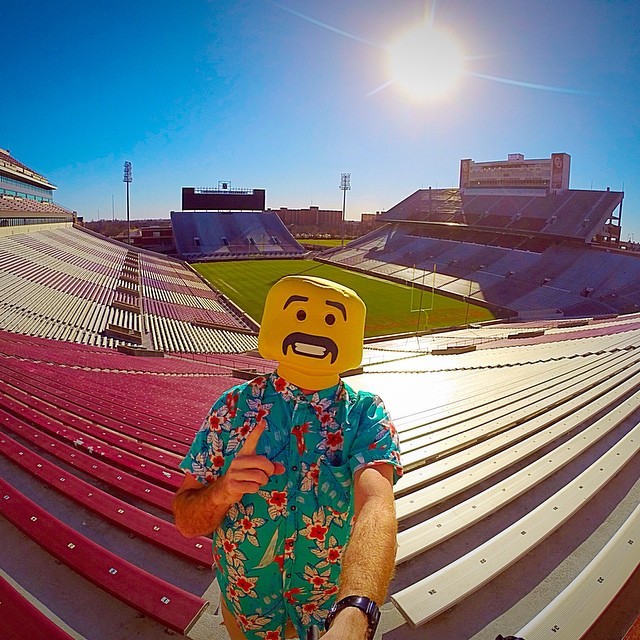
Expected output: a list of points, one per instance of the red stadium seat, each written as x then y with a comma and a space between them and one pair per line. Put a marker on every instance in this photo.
160, 600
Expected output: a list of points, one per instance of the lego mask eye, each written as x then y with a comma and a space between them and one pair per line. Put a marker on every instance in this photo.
301, 315
330, 319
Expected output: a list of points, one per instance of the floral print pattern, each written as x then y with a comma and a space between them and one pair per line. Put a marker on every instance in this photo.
278, 552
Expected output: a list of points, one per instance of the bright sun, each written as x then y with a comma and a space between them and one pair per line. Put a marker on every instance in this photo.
425, 62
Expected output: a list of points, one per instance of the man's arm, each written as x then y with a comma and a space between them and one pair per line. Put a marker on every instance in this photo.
369, 559
199, 509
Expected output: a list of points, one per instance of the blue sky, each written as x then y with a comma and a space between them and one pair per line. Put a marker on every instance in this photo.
283, 96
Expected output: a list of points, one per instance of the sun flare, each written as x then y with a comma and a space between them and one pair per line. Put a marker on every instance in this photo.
425, 62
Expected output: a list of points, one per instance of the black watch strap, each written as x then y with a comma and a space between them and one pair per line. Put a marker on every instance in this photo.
366, 605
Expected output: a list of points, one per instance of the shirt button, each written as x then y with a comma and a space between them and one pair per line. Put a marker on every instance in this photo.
294, 468
293, 507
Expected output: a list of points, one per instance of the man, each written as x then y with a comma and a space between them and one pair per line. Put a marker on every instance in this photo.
294, 473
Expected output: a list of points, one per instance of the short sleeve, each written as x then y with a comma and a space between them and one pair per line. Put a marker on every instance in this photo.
206, 459
376, 439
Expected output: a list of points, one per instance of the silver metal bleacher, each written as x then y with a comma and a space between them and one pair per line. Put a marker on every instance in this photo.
434, 594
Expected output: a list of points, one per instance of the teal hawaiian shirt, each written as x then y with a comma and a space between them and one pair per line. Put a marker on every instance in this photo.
278, 552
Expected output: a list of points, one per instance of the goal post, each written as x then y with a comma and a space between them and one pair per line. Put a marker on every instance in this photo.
417, 303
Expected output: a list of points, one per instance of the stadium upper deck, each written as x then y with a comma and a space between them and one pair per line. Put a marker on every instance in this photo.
521, 251
575, 214
210, 235
26, 197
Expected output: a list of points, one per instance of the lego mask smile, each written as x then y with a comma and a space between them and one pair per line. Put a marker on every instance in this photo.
314, 329
311, 346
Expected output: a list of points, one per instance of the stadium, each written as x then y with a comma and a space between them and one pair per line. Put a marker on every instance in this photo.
519, 508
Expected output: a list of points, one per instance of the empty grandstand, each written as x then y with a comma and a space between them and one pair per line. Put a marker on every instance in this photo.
524, 251
227, 224
210, 235
69, 284
518, 509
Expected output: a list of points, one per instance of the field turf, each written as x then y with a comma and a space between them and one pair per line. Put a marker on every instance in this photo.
389, 305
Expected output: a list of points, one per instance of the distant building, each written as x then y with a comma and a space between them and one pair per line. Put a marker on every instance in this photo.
369, 221
157, 238
26, 197
546, 174
310, 221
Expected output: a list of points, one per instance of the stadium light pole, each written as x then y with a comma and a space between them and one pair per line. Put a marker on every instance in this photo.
127, 179
345, 185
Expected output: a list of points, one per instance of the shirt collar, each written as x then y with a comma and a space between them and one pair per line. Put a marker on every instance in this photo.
290, 391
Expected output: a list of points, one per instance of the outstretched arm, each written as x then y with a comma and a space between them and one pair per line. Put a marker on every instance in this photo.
369, 560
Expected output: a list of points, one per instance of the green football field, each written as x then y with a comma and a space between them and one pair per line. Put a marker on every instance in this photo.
391, 308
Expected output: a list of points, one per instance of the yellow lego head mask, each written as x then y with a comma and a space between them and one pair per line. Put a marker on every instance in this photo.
314, 328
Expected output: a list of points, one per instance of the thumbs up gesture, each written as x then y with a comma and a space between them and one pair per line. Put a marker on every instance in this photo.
248, 471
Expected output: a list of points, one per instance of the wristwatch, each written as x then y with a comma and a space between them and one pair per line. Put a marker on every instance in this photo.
366, 605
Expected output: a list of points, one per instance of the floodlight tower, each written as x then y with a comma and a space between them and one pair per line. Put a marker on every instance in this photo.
345, 185
128, 179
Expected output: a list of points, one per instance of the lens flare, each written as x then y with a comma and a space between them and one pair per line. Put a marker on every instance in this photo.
425, 62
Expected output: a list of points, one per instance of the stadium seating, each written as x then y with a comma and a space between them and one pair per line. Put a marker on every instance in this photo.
591, 367
67, 284
517, 212
132, 486
15, 205
561, 414
557, 280
574, 611
535, 417
113, 510
228, 235
420, 538
117, 423
448, 586
162, 601
22, 619
519, 253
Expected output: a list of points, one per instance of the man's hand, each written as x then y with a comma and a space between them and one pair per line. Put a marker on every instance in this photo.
248, 471
199, 509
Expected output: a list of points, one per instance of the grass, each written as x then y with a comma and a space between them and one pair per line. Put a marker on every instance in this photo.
389, 305
323, 242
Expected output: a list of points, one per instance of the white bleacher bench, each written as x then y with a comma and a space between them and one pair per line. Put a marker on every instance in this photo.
570, 614
438, 592
434, 531
508, 412
530, 437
